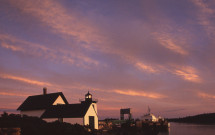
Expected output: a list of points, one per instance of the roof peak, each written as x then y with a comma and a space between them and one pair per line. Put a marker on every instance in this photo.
46, 94
37, 102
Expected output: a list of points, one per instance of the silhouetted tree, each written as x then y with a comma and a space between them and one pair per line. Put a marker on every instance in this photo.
208, 118
37, 126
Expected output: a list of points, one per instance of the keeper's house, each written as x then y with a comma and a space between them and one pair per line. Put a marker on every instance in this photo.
54, 106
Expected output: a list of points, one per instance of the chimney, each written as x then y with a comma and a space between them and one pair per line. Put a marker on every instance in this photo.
44, 91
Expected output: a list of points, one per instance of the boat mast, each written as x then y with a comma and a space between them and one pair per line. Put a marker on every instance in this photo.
149, 110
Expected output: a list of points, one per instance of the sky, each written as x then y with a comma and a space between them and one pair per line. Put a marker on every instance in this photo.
139, 53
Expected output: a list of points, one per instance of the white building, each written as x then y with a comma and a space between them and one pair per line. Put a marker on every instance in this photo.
149, 117
54, 106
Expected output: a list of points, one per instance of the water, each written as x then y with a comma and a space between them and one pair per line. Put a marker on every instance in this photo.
189, 129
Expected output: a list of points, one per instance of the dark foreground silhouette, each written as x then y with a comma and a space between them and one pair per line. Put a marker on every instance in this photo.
208, 118
37, 126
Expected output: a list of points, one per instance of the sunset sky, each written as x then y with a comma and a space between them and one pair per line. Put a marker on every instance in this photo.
137, 53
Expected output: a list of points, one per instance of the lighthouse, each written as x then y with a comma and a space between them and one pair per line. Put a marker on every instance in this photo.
92, 115
89, 99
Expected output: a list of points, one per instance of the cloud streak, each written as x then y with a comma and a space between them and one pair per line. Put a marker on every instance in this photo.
60, 55
206, 95
25, 80
204, 16
169, 44
58, 18
188, 73
13, 94
139, 93
145, 67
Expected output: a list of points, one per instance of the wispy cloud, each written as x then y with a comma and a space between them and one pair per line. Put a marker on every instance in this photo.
25, 80
145, 67
170, 42
205, 16
206, 95
70, 23
13, 94
188, 73
12, 47
59, 19
38, 50
139, 93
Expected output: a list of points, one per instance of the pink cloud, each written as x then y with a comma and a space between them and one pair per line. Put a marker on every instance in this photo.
25, 80
59, 19
175, 44
206, 95
13, 94
145, 67
187, 73
38, 50
139, 93
204, 16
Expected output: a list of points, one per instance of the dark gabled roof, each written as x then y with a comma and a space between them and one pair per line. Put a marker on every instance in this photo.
40, 101
66, 111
